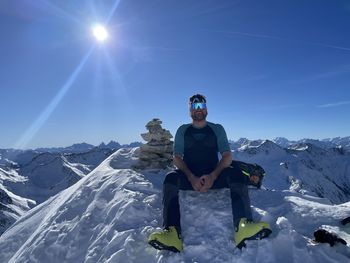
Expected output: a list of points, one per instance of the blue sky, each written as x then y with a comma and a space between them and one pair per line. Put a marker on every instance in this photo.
268, 68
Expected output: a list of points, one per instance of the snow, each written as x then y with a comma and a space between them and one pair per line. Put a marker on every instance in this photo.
46, 174
108, 215
324, 173
338, 142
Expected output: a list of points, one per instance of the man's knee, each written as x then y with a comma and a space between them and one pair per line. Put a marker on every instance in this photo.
172, 178
234, 175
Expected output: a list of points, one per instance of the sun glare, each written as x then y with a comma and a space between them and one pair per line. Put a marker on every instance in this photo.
100, 33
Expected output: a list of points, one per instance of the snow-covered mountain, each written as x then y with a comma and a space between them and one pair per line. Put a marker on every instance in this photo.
338, 142
85, 147
75, 148
244, 142
12, 206
46, 174
283, 142
302, 167
16, 158
108, 215
28, 178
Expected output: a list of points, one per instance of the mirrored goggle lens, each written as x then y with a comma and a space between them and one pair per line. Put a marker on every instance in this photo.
199, 106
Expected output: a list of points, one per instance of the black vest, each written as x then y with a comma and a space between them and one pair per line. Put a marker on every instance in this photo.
200, 150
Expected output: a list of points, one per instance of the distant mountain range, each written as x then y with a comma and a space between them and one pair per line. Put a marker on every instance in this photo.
338, 142
82, 147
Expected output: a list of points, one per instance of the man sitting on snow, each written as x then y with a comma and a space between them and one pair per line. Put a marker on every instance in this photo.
196, 149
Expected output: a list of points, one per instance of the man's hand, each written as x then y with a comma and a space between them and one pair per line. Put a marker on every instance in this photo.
196, 183
207, 181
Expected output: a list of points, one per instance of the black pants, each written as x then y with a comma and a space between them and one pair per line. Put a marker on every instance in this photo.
229, 178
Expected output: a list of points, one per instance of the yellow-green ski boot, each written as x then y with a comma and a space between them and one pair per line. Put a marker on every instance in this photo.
168, 239
248, 230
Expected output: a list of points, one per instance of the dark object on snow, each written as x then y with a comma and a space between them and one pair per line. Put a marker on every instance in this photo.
250, 170
345, 221
323, 236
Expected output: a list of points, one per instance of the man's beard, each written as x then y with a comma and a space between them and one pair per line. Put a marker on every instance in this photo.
199, 115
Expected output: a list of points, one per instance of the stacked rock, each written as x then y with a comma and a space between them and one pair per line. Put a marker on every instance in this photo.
158, 151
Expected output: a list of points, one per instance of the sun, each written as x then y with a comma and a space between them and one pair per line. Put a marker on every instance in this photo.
100, 32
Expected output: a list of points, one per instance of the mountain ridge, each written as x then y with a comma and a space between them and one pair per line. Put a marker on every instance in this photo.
336, 142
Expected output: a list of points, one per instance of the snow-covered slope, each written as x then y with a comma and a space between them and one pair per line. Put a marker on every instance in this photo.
46, 174
12, 206
30, 177
16, 158
304, 167
108, 215
344, 142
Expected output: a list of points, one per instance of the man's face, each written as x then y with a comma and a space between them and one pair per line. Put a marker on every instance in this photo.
198, 114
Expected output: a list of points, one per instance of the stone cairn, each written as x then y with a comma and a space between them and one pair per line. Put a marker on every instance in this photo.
157, 153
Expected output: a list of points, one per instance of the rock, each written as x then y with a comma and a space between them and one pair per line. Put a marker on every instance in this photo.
158, 151
162, 136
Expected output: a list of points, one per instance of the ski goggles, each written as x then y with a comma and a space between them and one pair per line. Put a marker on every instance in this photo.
198, 106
